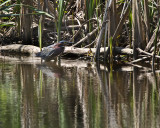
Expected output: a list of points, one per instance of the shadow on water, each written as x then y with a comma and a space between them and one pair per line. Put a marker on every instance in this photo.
77, 94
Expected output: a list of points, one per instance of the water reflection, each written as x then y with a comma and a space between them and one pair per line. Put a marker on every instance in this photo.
77, 95
51, 69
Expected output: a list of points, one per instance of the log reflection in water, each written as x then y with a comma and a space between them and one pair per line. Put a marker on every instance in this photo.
86, 95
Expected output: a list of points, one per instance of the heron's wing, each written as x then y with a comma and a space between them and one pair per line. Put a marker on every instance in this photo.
45, 52
50, 52
55, 52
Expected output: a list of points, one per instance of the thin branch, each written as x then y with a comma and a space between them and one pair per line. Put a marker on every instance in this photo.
147, 53
93, 19
140, 59
86, 37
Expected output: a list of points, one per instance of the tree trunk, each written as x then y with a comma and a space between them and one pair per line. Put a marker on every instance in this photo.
112, 20
27, 22
111, 27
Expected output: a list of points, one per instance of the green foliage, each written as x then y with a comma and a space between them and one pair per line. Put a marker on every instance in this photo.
3, 3
35, 11
7, 24
111, 47
40, 33
120, 2
92, 6
61, 9
130, 19
130, 27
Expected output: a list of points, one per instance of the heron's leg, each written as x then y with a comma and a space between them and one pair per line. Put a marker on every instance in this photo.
59, 60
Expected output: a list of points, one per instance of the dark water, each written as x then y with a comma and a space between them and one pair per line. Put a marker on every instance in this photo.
78, 95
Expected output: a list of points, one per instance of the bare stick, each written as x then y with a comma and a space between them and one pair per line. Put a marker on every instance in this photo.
150, 43
90, 44
81, 28
86, 37
147, 53
140, 59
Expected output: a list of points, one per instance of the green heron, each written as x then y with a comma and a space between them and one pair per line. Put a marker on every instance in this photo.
52, 51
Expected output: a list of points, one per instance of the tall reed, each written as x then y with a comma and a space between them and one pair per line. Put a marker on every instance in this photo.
40, 32
61, 9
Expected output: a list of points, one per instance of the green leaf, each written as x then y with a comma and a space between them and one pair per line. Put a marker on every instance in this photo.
30, 7
7, 24
4, 3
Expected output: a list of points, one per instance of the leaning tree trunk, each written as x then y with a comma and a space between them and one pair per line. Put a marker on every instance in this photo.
27, 22
136, 28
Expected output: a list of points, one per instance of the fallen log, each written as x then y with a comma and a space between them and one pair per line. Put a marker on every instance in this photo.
19, 49
30, 50
84, 51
